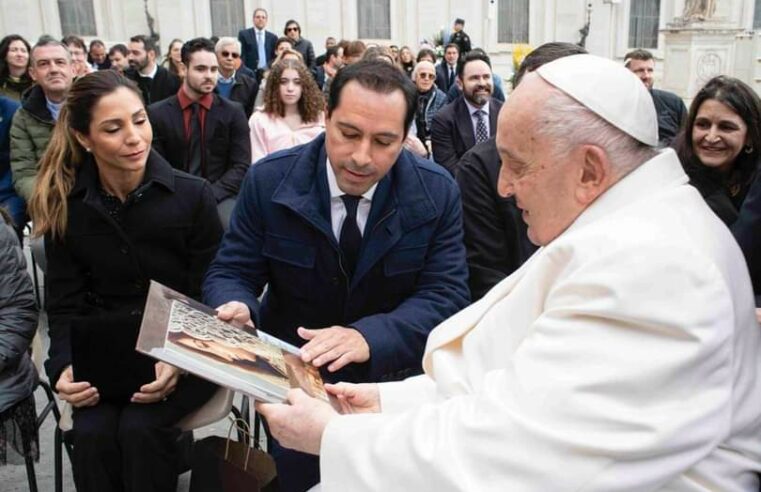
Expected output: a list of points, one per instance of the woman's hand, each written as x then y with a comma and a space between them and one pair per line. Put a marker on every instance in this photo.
80, 394
356, 398
414, 145
165, 383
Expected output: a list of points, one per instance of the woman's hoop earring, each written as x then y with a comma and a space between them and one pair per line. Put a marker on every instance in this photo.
748, 149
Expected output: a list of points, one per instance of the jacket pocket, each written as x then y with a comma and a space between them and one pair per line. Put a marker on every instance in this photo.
405, 260
289, 251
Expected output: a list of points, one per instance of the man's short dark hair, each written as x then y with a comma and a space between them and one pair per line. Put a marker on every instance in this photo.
377, 76
118, 48
459, 21
96, 42
471, 56
148, 43
425, 52
331, 52
193, 46
72, 40
259, 9
544, 54
452, 45
638, 54
46, 40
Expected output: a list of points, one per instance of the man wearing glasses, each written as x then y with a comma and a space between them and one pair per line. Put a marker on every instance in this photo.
258, 44
232, 83
302, 45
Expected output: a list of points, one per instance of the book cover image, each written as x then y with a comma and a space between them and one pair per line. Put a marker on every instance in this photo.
187, 334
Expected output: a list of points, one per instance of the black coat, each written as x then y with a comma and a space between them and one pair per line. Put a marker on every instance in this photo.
671, 113
747, 231
226, 142
495, 233
250, 49
244, 92
98, 274
163, 85
452, 132
442, 77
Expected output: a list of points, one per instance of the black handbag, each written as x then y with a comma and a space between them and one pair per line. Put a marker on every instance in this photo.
225, 465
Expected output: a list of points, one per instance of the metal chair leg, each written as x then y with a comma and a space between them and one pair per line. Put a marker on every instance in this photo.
58, 460
30, 474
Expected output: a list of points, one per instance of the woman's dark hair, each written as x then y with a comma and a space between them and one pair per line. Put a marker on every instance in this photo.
377, 76
310, 103
5, 45
743, 101
426, 52
64, 154
290, 23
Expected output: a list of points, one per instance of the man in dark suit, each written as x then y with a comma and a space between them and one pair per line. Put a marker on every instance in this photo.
334, 60
258, 44
232, 84
446, 71
468, 120
202, 133
356, 239
156, 82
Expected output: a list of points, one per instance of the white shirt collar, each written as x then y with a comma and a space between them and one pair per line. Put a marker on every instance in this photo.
150, 75
472, 109
336, 192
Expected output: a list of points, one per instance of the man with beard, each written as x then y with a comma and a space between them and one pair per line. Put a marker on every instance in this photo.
469, 120
51, 68
358, 241
200, 132
669, 107
155, 82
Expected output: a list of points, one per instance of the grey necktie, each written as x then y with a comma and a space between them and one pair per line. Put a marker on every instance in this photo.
481, 134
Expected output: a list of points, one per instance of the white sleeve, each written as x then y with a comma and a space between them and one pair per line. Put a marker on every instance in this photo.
623, 384
401, 396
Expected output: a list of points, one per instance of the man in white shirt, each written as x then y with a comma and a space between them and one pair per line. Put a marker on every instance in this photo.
622, 356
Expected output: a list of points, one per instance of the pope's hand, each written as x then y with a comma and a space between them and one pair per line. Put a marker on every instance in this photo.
299, 424
336, 344
356, 398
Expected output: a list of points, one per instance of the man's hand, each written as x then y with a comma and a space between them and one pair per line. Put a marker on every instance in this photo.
235, 311
356, 398
337, 344
81, 394
300, 424
163, 386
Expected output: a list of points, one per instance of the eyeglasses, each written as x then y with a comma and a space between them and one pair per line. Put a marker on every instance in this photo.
226, 54
289, 29
426, 76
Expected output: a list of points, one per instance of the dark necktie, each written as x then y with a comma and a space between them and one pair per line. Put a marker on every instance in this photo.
195, 143
451, 77
350, 239
481, 134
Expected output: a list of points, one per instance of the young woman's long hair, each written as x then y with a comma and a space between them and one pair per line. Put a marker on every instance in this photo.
742, 100
5, 46
311, 102
64, 155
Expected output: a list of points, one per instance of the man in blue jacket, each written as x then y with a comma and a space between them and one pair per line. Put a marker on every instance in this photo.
359, 242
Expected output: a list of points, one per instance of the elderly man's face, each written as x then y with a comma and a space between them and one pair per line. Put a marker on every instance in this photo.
542, 184
364, 136
227, 56
426, 76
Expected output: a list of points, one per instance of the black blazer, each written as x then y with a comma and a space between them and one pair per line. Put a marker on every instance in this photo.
98, 274
250, 48
244, 92
747, 231
495, 233
318, 72
442, 76
164, 84
226, 142
452, 132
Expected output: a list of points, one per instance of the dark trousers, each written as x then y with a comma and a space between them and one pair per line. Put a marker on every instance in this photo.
133, 446
296, 472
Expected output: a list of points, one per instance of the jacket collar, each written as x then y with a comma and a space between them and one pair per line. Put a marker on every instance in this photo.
157, 171
34, 102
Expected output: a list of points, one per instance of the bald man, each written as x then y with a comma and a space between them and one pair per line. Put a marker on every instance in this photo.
622, 356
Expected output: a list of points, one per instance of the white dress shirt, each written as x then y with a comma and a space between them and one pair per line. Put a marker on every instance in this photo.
473, 119
338, 209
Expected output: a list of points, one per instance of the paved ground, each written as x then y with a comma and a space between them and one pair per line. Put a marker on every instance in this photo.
13, 478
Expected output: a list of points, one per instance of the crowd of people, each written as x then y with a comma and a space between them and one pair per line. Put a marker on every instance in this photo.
595, 316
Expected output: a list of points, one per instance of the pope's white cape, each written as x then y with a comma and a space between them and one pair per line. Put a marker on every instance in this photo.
622, 356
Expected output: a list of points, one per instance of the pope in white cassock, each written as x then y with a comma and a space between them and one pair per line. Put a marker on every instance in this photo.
624, 355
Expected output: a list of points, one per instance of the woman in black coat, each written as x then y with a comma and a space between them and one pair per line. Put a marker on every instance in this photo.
720, 144
115, 215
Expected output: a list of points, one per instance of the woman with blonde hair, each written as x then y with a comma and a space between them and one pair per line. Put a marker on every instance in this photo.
114, 216
292, 113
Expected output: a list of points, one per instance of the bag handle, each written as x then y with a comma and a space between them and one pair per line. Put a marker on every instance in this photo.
242, 426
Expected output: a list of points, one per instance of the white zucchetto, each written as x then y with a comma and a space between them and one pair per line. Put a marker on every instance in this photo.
609, 90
